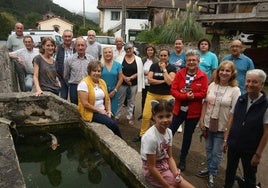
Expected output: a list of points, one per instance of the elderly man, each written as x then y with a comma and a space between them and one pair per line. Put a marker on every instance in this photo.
247, 130
24, 57
93, 47
64, 51
75, 68
15, 42
118, 50
241, 61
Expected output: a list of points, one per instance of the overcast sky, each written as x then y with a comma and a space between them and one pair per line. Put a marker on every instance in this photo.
77, 5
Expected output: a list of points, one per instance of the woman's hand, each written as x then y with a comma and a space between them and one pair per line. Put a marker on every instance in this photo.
255, 160
111, 94
224, 147
38, 93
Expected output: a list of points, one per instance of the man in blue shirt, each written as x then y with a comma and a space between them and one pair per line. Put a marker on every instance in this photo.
242, 63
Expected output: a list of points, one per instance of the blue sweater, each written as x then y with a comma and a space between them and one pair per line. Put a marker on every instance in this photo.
247, 128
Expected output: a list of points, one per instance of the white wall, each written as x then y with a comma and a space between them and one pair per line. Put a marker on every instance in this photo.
135, 24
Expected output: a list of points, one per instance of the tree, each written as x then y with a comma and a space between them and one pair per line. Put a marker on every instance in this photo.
30, 20
7, 22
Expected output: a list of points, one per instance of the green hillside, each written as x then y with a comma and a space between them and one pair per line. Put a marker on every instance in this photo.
30, 11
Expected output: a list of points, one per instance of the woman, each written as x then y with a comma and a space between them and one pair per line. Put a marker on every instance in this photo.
159, 167
160, 77
147, 62
246, 133
112, 75
93, 98
133, 80
189, 88
208, 60
45, 73
221, 98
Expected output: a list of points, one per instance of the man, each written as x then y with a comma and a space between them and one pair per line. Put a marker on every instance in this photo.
247, 130
75, 68
177, 57
93, 47
64, 51
241, 61
24, 59
15, 42
118, 50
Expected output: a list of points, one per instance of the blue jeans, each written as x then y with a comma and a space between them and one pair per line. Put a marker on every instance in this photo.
190, 124
233, 157
64, 89
109, 122
214, 143
19, 69
28, 82
73, 94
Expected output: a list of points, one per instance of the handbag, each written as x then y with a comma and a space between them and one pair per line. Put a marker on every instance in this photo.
213, 125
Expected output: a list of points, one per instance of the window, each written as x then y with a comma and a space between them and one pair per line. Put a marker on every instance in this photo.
115, 15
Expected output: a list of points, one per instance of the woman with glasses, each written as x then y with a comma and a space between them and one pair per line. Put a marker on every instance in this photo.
189, 88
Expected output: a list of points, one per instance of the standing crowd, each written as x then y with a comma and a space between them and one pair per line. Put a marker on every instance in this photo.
189, 89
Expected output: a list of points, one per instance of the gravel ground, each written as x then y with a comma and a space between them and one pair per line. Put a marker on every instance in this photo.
196, 159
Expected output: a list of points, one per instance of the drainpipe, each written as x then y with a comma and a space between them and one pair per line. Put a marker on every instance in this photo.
8, 122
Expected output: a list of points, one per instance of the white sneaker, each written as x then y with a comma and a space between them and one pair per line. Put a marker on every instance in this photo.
179, 130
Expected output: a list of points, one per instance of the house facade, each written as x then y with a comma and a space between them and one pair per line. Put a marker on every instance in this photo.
140, 15
54, 23
111, 17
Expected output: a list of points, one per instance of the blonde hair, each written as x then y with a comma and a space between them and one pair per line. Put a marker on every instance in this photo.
232, 81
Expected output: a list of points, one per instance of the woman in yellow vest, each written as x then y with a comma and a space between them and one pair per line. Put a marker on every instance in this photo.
93, 98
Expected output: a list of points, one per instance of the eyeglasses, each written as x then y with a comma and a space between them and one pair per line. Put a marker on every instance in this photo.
236, 46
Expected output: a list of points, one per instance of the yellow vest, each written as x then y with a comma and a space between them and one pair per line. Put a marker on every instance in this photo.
87, 114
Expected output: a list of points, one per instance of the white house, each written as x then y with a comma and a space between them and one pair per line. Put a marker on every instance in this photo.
111, 17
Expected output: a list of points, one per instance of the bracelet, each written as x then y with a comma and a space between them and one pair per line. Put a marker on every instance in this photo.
258, 155
115, 89
225, 141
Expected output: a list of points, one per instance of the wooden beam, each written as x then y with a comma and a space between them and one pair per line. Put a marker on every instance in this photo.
232, 2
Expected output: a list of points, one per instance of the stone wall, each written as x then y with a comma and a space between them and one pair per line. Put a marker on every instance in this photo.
8, 82
25, 109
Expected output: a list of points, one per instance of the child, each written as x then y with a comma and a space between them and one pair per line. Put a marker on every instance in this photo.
159, 167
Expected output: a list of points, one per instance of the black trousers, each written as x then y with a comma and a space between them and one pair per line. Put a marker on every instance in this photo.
233, 157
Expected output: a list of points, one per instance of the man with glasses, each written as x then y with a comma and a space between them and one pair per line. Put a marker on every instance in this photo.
242, 63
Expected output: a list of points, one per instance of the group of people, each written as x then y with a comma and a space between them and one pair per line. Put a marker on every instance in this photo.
187, 88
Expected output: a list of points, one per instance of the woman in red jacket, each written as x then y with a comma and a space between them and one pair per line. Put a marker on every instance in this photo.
189, 88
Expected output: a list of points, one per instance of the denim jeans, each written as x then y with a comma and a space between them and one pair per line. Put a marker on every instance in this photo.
64, 89
108, 122
73, 94
214, 143
20, 71
189, 127
233, 157
122, 94
28, 82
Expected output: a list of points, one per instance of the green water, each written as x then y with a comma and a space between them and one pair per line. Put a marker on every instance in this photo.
73, 164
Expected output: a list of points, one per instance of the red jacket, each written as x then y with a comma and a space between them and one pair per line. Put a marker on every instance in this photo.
199, 88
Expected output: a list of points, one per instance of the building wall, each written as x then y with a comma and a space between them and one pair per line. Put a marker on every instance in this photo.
131, 24
50, 23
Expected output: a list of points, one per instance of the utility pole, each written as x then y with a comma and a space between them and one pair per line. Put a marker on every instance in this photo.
84, 14
123, 28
